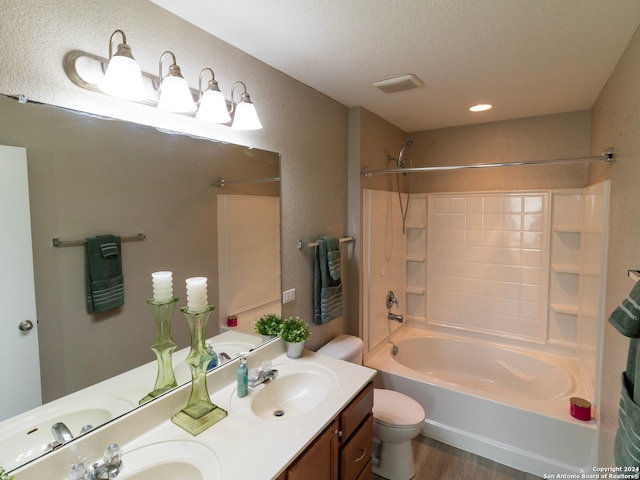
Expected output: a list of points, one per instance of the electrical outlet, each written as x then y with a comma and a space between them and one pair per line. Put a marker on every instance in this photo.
289, 295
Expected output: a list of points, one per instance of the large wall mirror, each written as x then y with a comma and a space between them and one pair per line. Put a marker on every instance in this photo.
89, 176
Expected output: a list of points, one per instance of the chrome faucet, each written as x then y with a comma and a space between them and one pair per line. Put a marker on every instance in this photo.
108, 470
266, 373
397, 317
61, 433
111, 466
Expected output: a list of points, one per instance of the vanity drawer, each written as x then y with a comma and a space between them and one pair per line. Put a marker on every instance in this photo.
356, 454
367, 471
353, 415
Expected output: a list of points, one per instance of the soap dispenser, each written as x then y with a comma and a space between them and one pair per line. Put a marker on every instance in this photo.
214, 356
243, 378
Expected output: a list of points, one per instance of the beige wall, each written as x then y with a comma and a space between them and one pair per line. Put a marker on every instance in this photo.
537, 138
371, 141
313, 146
616, 123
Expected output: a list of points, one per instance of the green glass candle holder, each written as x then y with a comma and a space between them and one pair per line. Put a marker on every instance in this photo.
200, 412
163, 347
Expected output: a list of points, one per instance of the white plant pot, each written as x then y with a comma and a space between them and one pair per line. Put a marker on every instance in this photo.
294, 350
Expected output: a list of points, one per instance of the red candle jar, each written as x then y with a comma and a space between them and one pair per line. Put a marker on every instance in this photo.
580, 408
232, 321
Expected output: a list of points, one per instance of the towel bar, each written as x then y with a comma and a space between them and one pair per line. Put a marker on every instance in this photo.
634, 275
135, 237
300, 244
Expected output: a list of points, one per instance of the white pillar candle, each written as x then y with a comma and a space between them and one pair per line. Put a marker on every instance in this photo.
197, 294
162, 286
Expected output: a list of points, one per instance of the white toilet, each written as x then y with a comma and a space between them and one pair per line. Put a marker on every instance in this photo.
397, 418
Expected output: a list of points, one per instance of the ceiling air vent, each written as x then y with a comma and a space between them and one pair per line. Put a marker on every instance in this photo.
398, 84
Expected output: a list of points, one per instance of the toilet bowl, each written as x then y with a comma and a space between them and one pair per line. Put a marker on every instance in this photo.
397, 418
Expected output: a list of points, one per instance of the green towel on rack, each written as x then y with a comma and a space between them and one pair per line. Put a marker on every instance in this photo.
103, 273
626, 318
626, 448
327, 282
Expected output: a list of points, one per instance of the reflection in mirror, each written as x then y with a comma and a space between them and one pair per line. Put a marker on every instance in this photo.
89, 176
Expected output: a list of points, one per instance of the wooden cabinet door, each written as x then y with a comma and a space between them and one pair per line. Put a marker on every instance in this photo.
320, 460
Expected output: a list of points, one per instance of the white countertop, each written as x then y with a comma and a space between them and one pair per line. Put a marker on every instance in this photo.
246, 447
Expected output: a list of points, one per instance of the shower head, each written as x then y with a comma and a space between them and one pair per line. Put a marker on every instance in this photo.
401, 159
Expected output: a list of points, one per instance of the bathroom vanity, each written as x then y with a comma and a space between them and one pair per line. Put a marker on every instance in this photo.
324, 419
343, 450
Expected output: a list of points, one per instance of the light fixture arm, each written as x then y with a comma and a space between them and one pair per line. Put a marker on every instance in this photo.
174, 69
211, 85
124, 42
244, 94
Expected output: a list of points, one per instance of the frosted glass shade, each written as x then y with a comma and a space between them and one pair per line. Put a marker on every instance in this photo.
175, 95
123, 79
246, 117
213, 108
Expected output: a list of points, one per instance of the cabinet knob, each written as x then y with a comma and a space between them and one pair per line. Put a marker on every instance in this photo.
339, 433
25, 325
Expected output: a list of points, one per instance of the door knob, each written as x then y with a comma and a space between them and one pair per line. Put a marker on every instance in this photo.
25, 325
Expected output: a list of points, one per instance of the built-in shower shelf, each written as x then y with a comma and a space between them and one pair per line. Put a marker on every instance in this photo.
567, 228
416, 258
415, 291
572, 269
562, 344
566, 309
416, 226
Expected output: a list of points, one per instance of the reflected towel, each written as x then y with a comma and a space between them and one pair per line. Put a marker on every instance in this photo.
104, 279
626, 318
327, 282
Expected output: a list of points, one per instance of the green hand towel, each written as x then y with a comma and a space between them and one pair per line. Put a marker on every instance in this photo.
104, 279
327, 283
626, 448
626, 318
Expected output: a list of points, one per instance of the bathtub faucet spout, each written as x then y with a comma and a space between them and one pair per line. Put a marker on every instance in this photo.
398, 318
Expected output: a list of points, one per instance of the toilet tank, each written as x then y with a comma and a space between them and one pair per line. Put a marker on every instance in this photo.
344, 347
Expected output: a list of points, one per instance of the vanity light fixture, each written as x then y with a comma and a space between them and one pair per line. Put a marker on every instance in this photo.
123, 78
212, 104
481, 107
175, 95
245, 116
168, 92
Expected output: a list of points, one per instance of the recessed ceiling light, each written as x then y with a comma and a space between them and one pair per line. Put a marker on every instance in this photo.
482, 107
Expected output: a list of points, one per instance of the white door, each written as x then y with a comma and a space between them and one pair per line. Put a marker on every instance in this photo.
19, 356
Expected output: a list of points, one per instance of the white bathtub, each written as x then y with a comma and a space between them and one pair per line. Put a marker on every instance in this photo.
499, 402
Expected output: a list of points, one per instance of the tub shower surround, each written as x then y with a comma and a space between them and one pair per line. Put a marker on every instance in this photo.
508, 288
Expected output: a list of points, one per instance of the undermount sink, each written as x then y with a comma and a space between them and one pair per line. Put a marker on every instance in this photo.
28, 436
171, 460
299, 389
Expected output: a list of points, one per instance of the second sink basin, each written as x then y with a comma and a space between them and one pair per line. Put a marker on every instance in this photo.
170, 460
299, 389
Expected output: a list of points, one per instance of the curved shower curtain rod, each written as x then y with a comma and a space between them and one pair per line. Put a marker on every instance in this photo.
606, 157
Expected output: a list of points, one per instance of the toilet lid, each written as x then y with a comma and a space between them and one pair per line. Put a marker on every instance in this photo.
396, 409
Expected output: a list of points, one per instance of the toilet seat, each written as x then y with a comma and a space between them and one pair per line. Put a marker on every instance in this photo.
396, 410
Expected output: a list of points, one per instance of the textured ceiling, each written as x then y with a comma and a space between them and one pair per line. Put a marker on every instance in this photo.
525, 57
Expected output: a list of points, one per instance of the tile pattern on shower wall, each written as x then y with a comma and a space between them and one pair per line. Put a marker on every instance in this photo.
488, 262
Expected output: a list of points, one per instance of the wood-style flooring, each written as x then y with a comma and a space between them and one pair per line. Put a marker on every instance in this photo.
438, 461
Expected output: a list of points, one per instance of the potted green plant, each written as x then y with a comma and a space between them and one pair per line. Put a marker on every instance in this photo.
294, 331
4, 475
268, 325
